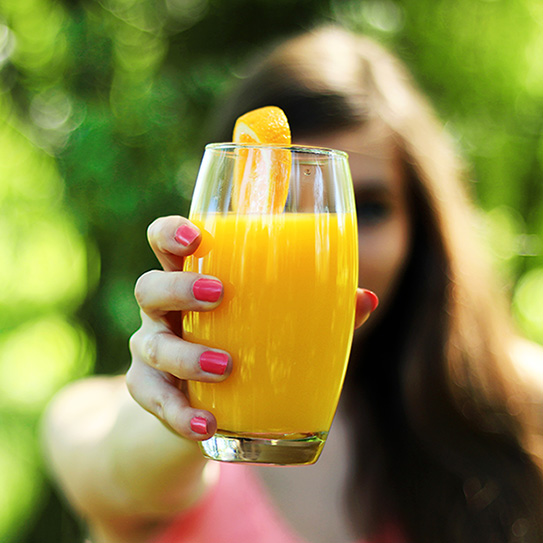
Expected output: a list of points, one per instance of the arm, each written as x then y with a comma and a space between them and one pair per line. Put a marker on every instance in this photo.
121, 469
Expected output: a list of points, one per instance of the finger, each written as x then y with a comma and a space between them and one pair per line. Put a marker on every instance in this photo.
159, 292
166, 352
163, 398
366, 304
172, 238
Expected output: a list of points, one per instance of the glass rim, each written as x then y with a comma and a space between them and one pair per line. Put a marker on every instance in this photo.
298, 149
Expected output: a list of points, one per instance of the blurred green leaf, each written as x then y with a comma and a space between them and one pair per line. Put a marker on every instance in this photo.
527, 303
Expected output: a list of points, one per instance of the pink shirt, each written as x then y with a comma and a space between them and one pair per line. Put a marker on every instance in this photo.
238, 510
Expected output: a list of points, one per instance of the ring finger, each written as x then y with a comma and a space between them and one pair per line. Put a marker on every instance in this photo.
166, 352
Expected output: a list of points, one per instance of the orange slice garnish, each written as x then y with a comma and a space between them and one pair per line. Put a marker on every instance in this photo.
261, 176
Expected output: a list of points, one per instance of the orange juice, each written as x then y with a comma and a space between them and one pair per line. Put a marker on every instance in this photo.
286, 318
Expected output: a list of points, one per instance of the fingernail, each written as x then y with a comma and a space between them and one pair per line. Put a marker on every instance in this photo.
198, 425
214, 362
186, 234
374, 300
207, 290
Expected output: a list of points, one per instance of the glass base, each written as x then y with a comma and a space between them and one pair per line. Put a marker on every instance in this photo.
277, 449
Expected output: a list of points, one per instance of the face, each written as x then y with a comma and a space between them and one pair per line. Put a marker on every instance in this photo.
384, 225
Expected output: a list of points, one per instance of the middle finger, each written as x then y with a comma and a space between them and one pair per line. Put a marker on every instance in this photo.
159, 292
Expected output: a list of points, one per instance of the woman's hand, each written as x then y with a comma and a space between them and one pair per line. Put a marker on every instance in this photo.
162, 361
366, 304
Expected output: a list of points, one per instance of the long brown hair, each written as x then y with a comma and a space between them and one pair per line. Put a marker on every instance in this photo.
439, 419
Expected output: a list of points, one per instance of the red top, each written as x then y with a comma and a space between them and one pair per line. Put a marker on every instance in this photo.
238, 510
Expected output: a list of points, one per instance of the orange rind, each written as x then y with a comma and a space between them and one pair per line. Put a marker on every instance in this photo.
261, 175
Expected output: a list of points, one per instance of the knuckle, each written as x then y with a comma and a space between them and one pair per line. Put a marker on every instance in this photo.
157, 234
141, 287
182, 369
139, 290
150, 350
131, 380
157, 354
153, 230
134, 342
168, 411
174, 287
158, 406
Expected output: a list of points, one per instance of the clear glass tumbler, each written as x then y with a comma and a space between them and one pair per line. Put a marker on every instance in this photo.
288, 260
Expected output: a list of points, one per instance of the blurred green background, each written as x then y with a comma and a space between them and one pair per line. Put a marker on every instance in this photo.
103, 113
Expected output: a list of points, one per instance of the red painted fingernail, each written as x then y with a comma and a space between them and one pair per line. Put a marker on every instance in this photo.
198, 425
214, 362
186, 234
374, 300
207, 290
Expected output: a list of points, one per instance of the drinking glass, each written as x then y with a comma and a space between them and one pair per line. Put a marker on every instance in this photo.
287, 317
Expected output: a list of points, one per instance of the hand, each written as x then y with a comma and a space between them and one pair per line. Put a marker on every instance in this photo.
162, 361
366, 304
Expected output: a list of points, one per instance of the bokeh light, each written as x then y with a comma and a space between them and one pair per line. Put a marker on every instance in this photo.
38, 358
45, 271
527, 303
20, 478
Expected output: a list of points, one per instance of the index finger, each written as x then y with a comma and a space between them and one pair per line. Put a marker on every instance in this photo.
171, 239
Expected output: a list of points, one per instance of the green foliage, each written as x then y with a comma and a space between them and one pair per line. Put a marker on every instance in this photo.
45, 277
104, 110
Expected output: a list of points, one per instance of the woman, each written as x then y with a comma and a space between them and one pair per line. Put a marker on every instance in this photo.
441, 421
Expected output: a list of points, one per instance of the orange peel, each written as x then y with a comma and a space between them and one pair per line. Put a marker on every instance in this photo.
261, 175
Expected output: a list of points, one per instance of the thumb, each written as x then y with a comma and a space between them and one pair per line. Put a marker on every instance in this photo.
366, 304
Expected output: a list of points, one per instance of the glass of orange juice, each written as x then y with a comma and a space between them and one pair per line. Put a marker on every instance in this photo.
280, 232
